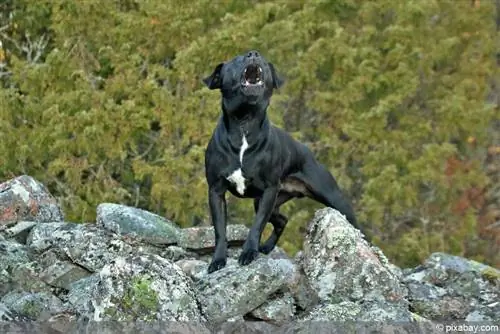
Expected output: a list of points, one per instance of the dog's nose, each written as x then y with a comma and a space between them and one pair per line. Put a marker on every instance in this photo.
253, 54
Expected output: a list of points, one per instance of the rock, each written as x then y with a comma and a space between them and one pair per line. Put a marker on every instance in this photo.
424, 299
448, 287
202, 239
477, 316
278, 310
137, 288
12, 255
20, 231
247, 327
371, 311
62, 273
176, 253
5, 313
24, 198
441, 269
341, 265
456, 264
25, 277
113, 327
343, 311
304, 295
130, 221
35, 306
84, 244
80, 292
195, 269
236, 290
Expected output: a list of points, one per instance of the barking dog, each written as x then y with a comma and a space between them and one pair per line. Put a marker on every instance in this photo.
251, 158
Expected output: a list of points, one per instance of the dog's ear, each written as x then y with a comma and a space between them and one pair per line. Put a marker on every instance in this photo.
277, 80
214, 80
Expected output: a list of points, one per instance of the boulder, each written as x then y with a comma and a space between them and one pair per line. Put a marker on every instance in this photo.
236, 290
279, 309
137, 288
24, 198
34, 306
138, 223
86, 245
341, 265
202, 238
19, 231
448, 287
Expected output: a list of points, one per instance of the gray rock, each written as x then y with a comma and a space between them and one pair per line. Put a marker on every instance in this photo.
424, 298
137, 288
477, 316
5, 313
80, 292
142, 224
371, 311
176, 253
457, 264
26, 277
62, 273
237, 290
84, 244
24, 198
203, 239
35, 306
304, 295
448, 287
341, 265
19, 232
343, 311
278, 310
128, 327
12, 256
247, 327
196, 269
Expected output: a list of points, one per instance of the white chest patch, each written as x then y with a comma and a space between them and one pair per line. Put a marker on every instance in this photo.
237, 176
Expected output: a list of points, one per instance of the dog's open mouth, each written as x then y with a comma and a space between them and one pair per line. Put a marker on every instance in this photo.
252, 75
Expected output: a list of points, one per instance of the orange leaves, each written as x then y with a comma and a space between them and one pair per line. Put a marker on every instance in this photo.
471, 198
455, 165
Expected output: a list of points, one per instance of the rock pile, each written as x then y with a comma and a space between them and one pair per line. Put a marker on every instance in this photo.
134, 267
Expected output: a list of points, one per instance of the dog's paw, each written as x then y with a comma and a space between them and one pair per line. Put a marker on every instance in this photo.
266, 248
247, 256
216, 265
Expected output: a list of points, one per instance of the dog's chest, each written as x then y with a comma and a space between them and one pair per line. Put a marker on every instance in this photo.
236, 177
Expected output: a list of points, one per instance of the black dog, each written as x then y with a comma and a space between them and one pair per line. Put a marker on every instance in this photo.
253, 159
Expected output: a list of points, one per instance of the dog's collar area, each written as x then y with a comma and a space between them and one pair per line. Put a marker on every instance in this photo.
243, 131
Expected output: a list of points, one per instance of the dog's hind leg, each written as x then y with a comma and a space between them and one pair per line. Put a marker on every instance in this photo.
324, 189
278, 221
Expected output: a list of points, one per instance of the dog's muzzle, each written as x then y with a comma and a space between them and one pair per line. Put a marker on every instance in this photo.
252, 76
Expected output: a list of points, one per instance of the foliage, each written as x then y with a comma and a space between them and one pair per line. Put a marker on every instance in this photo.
103, 101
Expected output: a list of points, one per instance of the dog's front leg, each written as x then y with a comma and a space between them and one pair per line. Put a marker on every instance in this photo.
266, 206
218, 211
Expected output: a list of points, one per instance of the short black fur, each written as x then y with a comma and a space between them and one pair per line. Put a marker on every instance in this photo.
275, 167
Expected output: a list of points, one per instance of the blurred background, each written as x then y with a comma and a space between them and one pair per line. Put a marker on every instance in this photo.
102, 101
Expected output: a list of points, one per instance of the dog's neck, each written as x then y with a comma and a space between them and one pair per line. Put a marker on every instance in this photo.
247, 121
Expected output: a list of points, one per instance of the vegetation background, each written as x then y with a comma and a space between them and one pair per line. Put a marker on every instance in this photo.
102, 101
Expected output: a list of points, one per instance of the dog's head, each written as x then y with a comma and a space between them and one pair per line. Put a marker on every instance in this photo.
246, 79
